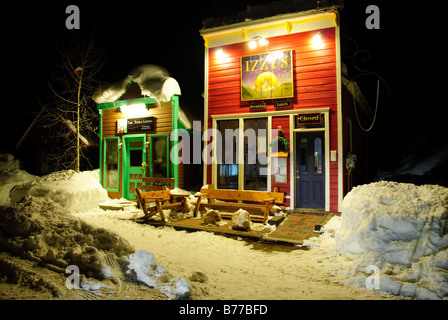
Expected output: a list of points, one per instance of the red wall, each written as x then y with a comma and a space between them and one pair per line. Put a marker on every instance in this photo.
315, 85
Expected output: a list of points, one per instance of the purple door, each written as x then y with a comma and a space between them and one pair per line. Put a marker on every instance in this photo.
310, 166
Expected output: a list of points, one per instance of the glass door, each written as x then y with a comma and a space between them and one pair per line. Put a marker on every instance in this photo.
134, 154
310, 176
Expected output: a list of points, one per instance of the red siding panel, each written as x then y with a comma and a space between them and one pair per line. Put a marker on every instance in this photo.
315, 85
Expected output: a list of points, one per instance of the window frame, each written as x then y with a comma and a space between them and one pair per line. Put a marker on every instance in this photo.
105, 162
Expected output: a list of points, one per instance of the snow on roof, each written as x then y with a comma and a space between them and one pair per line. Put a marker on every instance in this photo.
265, 10
154, 82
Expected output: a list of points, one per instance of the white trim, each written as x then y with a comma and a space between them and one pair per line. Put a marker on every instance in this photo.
292, 134
240, 154
326, 131
339, 121
269, 113
269, 27
205, 126
292, 163
268, 153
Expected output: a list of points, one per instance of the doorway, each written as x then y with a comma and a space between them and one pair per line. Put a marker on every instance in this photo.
134, 154
310, 170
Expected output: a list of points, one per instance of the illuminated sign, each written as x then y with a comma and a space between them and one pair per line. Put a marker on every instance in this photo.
309, 118
267, 76
135, 125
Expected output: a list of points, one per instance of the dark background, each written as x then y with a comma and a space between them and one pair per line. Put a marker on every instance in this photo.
408, 51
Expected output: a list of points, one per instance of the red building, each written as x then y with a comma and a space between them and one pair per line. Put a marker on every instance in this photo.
281, 73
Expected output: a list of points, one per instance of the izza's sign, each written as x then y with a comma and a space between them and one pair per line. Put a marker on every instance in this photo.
267, 76
309, 118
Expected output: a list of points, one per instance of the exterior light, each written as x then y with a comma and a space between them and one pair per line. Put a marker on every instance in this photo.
317, 41
134, 110
220, 54
254, 42
263, 42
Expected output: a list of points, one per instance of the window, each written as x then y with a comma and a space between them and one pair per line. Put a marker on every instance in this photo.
111, 159
159, 156
252, 172
228, 168
318, 156
304, 156
255, 154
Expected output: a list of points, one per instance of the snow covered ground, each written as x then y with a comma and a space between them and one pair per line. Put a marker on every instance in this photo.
391, 242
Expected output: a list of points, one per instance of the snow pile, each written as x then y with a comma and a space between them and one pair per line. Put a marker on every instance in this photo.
40, 230
74, 191
10, 175
154, 81
402, 231
141, 268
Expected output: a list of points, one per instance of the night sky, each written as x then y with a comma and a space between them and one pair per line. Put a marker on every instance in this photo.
408, 51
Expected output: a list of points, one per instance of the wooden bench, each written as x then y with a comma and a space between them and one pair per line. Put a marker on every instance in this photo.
155, 183
158, 190
268, 199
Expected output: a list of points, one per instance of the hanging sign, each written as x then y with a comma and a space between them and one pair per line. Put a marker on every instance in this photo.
309, 118
258, 106
282, 104
135, 125
267, 76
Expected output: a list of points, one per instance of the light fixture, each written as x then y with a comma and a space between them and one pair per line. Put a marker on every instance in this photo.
317, 41
254, 42
220, 54
134, 110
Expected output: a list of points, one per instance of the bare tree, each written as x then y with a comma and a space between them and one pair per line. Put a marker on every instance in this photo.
71, 118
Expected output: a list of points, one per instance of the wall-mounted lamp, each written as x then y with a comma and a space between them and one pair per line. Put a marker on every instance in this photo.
258, 41
317, 41
134, 110
220, 54
120, 145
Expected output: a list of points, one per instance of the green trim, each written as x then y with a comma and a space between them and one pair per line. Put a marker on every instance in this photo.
125, 162
175, 141
167, 136
120, 103
118, 164
100, 175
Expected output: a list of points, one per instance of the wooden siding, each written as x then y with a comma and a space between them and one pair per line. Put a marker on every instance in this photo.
283, 187
315, 86
163, 117
314, 73
163, 125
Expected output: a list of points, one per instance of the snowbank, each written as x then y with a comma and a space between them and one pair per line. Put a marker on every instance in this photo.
11, 175
73, 191
38, 229
401, 229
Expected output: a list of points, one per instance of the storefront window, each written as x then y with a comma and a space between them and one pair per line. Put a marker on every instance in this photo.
228, 168
317, 156
255, 154
159, 156
111, 164
304, 156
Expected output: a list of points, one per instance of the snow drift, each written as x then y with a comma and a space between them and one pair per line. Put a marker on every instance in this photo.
74, 191
39, 229
403, 230
11, 175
